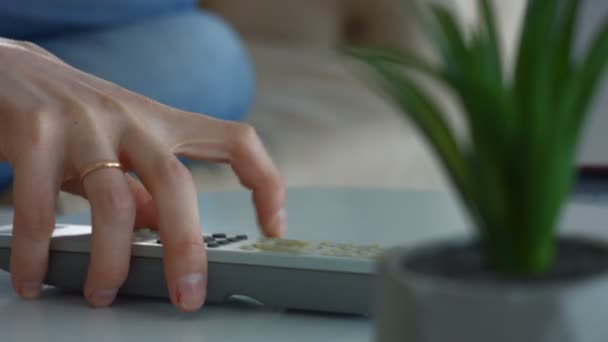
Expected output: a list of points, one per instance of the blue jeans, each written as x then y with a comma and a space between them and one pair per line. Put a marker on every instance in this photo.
191, 61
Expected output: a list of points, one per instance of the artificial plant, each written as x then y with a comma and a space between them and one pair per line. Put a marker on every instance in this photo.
516, 168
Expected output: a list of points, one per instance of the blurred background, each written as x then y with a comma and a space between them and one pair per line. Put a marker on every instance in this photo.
323, 124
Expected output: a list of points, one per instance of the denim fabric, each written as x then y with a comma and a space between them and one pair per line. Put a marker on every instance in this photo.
32, 19
189, 60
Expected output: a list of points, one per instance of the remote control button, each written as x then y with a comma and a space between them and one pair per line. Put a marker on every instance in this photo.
213, 245
208, 239
223, 242
241, 237
281, 245
144, 234
219, 235
346, 250
233, 239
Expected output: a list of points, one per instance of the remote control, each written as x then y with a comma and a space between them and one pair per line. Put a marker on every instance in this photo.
278, 273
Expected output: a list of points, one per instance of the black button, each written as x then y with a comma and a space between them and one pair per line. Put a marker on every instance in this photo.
242, 237
208, 239
232, 239
219, 235
213, 244
223, 242
159, 242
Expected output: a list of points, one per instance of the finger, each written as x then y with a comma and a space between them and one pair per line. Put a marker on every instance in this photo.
257, 172
36, 186
145, 216
40, 51
145, 211
199, 137
113, 218
174, 194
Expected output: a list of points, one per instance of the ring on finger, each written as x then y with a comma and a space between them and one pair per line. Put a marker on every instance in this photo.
99, 165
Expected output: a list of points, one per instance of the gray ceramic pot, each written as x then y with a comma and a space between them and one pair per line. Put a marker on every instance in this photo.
414, 307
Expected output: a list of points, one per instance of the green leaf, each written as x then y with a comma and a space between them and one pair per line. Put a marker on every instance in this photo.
533, 88
563, 65
428, 119
451, 42
390, 55
490, 43
587, 80
533, 82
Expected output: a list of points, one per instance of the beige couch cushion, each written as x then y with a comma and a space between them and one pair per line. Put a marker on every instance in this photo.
323, 125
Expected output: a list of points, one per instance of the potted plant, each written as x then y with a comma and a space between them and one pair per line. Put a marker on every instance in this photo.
518, 280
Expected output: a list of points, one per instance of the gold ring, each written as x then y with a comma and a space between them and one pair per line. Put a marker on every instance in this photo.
92, 167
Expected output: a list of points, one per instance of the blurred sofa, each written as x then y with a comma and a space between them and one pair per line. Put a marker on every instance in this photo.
323, 123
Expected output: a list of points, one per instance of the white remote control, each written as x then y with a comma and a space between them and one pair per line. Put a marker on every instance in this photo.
279, 273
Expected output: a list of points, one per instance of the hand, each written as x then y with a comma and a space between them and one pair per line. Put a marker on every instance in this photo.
55, 119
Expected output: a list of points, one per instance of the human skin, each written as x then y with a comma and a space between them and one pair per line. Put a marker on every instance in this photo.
55, 119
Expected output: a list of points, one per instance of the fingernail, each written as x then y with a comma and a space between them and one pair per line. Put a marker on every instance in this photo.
190, 290
279, 223
30, 289
103, 297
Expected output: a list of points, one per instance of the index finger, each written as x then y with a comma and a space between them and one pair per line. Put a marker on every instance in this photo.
256, 171
239, 145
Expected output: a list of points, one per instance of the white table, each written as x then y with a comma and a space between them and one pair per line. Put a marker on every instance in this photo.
388, 217
5, 216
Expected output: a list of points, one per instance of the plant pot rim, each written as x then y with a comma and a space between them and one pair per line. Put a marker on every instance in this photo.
394, 261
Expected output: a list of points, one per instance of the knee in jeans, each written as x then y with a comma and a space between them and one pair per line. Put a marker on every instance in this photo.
219, 67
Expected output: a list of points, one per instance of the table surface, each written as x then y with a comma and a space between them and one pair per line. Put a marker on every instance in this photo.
387, 217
